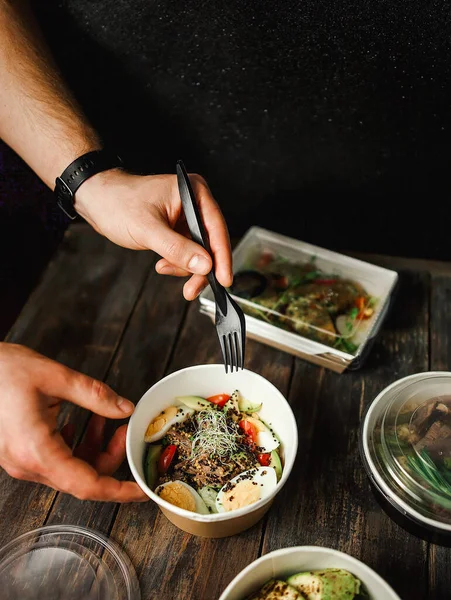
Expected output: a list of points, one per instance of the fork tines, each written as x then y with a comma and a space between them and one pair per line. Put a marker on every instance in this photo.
232, 351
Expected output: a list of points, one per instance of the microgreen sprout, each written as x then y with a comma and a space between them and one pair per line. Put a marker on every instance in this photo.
215, 434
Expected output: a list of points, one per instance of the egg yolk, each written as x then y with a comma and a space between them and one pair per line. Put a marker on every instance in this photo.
159, 422
243, 493
177, 494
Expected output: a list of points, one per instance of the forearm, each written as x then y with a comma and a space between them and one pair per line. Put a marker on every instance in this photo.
39, 118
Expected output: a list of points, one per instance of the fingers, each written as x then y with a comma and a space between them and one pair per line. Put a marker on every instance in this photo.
164, 267
105, 463
178, 250
217, 230
80, 389
70, 474
108, 462
193, 287
74, 476
90, 447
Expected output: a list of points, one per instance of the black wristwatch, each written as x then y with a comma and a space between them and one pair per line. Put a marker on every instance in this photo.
77, 172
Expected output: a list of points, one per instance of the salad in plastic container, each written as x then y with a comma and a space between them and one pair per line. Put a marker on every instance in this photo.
406, 448
318, 304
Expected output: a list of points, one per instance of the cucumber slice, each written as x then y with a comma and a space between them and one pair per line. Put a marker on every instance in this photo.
276, 589
276, 463
195, 402
328, 584
150, 465
247, 407
208, 495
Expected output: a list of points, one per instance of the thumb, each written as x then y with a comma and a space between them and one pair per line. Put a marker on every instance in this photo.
179, 250
89, 393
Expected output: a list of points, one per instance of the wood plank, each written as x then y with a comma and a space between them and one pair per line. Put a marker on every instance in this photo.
440, 354
140, 361
77, 316
171, 564
327, 500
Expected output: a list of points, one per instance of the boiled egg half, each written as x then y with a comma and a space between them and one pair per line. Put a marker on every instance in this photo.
164, 421
246, 488
266, 438
182, 495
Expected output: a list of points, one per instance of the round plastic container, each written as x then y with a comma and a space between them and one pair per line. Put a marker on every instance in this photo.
406, 449
66, 563
205, 381
282, 563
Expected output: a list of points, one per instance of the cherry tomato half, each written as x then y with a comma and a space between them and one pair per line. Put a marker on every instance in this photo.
249, 430
264, 459
166, 457
219, 399
280, 282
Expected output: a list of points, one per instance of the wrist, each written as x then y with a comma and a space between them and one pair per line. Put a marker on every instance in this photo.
61, 155
96, 188
78, 174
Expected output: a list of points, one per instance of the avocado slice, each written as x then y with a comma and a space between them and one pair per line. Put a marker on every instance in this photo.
276, 463
275, 589
195, 402
329, 584
151, 465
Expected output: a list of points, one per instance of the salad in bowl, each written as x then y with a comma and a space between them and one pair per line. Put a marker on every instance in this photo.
212, 455
215, 460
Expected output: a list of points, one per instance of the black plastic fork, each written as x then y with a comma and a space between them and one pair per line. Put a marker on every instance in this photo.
229, 319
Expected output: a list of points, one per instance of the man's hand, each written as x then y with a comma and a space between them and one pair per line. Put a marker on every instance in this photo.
41, 120
146, 213
32, 448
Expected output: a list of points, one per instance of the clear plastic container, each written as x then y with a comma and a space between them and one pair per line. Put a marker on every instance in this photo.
66, 563
406, 448
308, 300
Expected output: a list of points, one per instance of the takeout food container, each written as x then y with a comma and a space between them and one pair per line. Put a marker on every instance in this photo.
282, 563
66, 562
206, 381
405, 444
311, 335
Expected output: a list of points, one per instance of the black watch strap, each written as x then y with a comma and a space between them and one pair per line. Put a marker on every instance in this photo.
77, 172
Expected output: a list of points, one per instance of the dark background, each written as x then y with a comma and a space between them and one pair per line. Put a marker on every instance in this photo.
325, 120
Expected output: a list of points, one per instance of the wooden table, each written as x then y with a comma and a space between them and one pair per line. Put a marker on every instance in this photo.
103, 310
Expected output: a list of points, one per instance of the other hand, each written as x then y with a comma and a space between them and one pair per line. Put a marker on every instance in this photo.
31, 446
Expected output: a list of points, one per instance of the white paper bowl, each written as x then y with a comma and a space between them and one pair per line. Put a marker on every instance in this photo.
205, 381
288, 561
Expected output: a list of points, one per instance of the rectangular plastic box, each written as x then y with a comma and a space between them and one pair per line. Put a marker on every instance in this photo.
306, 287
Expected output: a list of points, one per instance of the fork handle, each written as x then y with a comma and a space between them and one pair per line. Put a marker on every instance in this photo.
198, 232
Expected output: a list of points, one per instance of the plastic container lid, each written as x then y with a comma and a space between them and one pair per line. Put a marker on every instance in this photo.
409, 445
295, 293
66, 563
